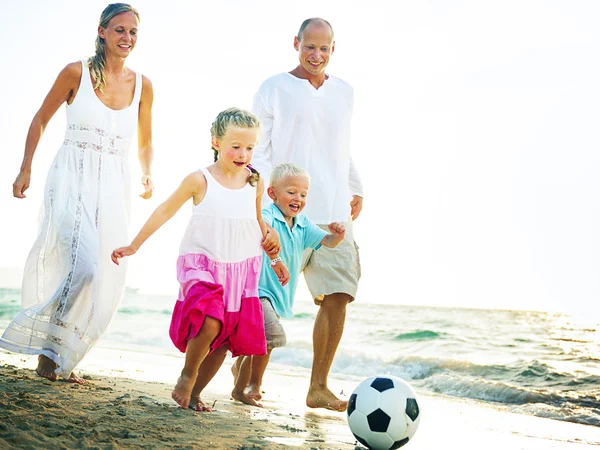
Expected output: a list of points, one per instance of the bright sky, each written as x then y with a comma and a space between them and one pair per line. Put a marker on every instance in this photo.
475, 131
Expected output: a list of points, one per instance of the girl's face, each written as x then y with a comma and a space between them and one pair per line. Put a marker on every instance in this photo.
120, 36
236, 147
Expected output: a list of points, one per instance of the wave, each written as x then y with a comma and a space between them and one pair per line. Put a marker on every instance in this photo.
418, 335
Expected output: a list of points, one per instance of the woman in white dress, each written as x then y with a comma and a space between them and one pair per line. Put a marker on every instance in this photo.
70, 288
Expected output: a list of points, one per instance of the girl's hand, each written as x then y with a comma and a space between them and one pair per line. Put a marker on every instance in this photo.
122, 252
21, 184
282, 273
271, 244
338, 229
148, 187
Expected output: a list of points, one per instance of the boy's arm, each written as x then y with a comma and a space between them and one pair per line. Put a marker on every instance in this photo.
336, 235
193, 185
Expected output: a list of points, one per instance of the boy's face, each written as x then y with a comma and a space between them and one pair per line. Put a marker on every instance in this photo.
289, 195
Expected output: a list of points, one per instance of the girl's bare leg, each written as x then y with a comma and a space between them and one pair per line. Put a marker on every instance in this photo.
195, 353
208, 369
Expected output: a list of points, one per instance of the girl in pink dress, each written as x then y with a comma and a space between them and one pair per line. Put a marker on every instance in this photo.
220, 257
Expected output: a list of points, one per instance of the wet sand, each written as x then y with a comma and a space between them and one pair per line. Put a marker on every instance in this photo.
113, 412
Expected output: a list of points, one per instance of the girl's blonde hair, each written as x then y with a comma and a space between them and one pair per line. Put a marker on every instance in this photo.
235, 117
282, 171
97, 62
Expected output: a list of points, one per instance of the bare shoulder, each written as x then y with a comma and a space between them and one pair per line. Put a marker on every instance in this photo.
147, 90
260, 187
71, 72
196, 181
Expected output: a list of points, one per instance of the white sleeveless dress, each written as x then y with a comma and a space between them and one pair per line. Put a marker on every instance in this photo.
71, 288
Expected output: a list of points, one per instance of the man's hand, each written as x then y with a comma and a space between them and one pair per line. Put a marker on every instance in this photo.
356, 206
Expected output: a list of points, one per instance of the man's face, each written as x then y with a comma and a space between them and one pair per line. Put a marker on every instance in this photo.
315, 48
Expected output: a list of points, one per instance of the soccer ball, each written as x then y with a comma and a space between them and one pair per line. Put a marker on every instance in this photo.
383, 412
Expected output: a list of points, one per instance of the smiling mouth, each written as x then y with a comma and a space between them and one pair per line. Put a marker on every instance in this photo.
295, 208
239, 164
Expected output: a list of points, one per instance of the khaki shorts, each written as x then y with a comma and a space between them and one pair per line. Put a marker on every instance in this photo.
332, 270
274, 331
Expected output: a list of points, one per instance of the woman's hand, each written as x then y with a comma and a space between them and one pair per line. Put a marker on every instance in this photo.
21, 183
148, 187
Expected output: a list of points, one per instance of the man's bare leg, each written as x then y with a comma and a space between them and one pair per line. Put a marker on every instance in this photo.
327, 333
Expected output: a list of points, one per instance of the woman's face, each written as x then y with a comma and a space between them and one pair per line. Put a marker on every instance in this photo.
120, 35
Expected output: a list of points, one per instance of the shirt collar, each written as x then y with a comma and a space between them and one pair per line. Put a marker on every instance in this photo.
300, 220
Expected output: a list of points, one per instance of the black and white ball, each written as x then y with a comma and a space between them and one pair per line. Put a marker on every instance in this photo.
383, 412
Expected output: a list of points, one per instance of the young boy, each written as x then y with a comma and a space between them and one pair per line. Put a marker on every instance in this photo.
288, 189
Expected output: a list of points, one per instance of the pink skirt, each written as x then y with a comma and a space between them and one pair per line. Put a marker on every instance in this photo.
242, 331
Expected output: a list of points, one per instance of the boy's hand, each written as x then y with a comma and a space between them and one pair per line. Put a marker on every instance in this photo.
338, 229
121, 253
282, 273
271, 244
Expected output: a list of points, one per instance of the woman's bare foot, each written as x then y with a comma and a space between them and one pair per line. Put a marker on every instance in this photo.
198, 405
73, 378
254, 392
46, 368
325, 399
182, 391
241, 397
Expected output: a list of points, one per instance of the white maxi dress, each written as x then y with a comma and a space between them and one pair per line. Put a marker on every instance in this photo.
71, 288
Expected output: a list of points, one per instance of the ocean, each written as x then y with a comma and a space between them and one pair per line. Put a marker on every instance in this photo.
537, 363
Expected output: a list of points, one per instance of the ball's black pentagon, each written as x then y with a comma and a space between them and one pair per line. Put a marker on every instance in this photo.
412, 409
362, 441
378, 421
382, 384
351, 404
399, 443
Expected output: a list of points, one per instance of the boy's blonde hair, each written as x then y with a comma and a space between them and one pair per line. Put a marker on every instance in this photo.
235, 117
282, 171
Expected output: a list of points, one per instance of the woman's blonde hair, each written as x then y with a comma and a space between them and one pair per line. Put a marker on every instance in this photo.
97, 62
235, 117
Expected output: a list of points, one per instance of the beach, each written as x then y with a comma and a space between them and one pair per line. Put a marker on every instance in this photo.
119, 407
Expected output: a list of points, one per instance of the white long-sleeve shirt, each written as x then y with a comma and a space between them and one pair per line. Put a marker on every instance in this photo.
311, 128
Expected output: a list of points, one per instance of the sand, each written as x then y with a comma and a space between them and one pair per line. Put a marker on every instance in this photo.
113, 412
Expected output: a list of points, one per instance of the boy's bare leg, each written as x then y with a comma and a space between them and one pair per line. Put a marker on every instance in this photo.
242, 381
235, 368
327, 333
206, 372
195, 353
259, 365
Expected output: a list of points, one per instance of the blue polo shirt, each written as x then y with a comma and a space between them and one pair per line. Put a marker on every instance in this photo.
304, 234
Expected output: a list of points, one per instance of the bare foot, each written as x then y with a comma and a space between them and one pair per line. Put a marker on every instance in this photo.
46, 368
325, 399
241, 397
254, 392
73, 378
198, 405
235, 368
183, 389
